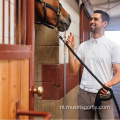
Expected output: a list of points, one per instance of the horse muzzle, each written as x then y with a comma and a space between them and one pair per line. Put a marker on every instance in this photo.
64, 23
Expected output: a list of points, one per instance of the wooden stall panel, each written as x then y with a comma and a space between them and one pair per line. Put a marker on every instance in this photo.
19, 86
4, 89
25, 86
14, 86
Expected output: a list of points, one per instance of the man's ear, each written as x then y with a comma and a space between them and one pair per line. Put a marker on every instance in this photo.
105, 23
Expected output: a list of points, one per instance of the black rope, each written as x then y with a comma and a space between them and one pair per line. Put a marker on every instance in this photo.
98, 99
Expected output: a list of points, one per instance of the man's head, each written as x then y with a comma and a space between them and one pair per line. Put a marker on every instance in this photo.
104, 15
99, 20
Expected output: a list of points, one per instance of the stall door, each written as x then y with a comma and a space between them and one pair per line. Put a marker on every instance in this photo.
84, 28
16, 56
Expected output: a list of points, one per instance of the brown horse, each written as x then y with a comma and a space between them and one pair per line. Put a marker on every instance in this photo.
52, 14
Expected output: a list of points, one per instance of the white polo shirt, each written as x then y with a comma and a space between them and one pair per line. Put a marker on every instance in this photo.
99, 55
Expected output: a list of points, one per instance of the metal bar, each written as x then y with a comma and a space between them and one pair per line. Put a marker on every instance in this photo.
9, 22
33, 113
46, 115
3, 21
14, 55
19, 22
16, 22
30, 14
64, 99
23, 22
81, 22
22, 48
81, 35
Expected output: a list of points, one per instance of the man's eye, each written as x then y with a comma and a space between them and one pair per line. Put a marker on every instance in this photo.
91, 19
96, 19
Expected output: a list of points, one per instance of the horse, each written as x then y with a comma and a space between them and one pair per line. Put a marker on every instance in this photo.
52, 14
47, 12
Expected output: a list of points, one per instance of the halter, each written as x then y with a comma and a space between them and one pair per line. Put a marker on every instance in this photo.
58, 12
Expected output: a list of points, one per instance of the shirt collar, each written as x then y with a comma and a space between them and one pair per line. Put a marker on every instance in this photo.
99, 40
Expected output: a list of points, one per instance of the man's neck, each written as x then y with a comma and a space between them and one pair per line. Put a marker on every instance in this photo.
96, 36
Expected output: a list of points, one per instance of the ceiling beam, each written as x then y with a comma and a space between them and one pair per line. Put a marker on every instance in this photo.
101, 7
112, 7
105, 3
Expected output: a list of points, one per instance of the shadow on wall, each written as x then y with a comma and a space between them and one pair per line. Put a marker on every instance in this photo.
46, 45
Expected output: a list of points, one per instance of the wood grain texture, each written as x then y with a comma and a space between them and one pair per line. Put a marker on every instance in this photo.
4, 89
25, 86
14, 86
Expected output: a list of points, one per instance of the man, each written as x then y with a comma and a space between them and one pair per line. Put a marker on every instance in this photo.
101, 56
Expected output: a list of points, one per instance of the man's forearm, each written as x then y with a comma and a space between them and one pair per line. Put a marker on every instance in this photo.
72, 63
115, 80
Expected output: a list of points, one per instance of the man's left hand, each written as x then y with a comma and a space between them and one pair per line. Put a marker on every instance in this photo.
103, 92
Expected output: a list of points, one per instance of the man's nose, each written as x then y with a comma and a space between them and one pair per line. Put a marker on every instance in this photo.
92, 21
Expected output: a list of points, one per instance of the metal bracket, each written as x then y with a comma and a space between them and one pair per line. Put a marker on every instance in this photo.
46, 115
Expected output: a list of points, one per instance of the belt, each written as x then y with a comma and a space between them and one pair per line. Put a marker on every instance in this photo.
88, 89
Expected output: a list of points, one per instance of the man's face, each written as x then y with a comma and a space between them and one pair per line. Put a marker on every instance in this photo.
96, 23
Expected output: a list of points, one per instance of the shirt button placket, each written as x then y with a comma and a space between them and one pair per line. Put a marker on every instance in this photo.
93, 49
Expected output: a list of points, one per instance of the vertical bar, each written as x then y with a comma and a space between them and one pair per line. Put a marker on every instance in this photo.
1, 18
3, 21
30, 13
64, 99
12, 22
81, 35
6, 22
81, 22
16, 23
19, 20
23, 22
9, 23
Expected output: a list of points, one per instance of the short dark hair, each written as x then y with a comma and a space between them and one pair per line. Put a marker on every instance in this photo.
104, 15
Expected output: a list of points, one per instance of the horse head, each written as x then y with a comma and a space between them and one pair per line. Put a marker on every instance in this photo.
52, 14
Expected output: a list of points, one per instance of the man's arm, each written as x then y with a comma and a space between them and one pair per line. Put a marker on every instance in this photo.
116, 79
74, 65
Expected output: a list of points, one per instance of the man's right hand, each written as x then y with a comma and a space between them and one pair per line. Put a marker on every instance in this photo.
74, 64
71, 40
